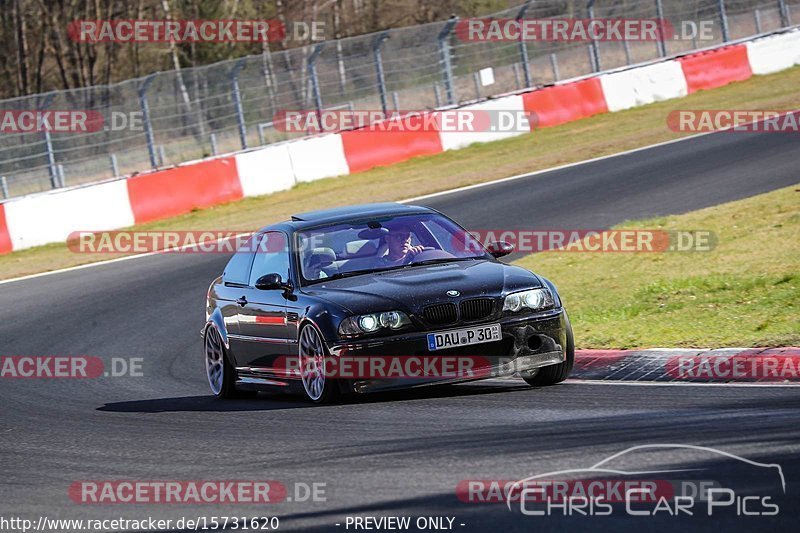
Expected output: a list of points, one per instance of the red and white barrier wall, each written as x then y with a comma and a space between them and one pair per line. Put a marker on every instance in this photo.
179, 190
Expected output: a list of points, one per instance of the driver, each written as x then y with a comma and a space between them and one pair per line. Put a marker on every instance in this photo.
400, 251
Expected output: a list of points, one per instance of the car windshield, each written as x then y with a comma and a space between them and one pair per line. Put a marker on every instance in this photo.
384, 243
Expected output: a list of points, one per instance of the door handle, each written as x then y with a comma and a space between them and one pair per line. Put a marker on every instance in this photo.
242, 301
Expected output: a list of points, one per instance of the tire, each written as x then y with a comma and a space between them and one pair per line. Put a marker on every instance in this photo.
552, 374
219, 370
312, 354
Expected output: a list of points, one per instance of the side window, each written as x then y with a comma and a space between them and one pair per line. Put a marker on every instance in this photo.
238, 268
271, 256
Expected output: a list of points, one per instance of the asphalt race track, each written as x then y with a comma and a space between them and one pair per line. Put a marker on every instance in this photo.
393, 454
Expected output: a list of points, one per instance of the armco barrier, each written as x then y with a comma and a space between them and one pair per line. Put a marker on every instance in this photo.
564, 103
46, 218
454, 140
775, 53
715, 68
371, 147
181, 189
619, 89
663, 81
318, 157
265, 170
644, 85
5, 238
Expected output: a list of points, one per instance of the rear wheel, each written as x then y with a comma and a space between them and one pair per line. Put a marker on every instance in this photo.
552, 374
313, 354
220, 372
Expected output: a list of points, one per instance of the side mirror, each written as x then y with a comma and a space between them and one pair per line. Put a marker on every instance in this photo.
500, 248
271, 282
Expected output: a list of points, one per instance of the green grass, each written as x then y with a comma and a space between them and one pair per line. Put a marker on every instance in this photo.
745, 292
596, 136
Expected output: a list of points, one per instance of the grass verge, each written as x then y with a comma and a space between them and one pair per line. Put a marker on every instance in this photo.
593, 137
745, 292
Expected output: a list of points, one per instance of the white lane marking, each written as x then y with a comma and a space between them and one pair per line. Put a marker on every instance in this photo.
518, 381
407, 200
680, 383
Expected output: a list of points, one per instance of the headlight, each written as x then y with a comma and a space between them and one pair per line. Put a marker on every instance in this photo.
536, 300
358, 325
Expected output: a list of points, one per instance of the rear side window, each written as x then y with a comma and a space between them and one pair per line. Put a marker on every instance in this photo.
238, 268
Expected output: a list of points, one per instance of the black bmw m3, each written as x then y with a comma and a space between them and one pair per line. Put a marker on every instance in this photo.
376, 297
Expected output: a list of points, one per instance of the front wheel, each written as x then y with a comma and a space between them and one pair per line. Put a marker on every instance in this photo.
220, 372
313, 355
552, 374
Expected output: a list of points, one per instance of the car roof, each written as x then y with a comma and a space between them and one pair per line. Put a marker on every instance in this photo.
351, 212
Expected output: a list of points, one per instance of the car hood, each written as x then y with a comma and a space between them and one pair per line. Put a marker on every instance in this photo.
411, 288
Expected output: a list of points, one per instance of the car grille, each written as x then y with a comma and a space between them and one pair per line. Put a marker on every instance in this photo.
440, 313
476, 308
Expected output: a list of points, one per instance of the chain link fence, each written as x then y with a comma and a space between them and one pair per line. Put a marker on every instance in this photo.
229, 106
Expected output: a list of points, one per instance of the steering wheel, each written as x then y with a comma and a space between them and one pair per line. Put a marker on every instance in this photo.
429, 252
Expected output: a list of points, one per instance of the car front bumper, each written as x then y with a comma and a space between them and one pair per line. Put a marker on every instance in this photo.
528, 342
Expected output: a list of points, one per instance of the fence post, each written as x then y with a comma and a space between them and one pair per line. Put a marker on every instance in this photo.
627, 48
476, 78
148, 126
60, 173
723, 17
444, 50
114, 167
4, 186
48, 144
161, 156
395, 101
377, 43
523, 48
786, 20
237, 102
213, 138
594, 52
437, 94
312, 72
662, 44
554, 65
757, 16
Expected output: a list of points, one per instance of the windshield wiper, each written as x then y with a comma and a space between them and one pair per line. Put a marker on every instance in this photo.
340, 275
440, 260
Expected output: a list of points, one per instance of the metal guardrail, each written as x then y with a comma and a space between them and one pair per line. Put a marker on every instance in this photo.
229, 106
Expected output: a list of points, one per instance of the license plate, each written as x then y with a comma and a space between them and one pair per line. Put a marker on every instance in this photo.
463, 337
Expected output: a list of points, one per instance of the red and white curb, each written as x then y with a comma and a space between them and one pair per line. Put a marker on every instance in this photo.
724, 365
